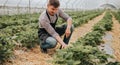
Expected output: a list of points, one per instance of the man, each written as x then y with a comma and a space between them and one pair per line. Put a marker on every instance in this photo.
48, 33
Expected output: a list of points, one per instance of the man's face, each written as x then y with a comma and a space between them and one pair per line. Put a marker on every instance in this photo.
52, 10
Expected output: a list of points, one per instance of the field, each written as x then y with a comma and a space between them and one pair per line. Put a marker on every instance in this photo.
19, 42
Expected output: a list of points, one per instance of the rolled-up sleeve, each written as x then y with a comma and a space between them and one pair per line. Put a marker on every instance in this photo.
64, 15
48, 27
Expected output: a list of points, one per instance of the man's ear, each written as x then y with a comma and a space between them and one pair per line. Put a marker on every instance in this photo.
48, 5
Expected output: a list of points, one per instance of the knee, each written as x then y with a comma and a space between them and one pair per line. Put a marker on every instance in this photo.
51, 41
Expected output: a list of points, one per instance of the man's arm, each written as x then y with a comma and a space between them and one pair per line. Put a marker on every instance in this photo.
68, 29
69, 21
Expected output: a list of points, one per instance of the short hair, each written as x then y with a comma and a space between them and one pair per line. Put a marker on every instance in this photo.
54, 3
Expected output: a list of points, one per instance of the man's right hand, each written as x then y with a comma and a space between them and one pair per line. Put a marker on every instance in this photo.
59, 39
64, 45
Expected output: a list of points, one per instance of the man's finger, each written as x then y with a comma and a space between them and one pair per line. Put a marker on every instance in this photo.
62, 47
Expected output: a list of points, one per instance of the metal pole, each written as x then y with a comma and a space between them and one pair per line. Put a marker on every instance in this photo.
44, 3
73, 5
18, 11
67, 3
106, 3
78, 3
29, 7
4, 5
37, 5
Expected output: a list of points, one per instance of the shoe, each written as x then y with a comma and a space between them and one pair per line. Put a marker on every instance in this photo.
43, 50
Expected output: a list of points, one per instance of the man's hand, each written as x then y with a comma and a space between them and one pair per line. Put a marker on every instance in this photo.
67, 32
64, 45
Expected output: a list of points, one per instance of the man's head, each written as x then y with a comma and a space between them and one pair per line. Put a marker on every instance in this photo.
53, 6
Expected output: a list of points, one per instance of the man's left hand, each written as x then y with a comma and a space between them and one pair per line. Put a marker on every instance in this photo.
67, 32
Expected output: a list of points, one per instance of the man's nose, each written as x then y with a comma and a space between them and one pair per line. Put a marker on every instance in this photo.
54, 11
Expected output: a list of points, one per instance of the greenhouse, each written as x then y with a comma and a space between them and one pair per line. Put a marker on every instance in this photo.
59, 32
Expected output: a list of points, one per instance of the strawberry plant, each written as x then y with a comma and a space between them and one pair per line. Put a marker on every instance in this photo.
6, 48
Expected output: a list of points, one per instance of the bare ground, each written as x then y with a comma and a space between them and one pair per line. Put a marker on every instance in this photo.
116, 38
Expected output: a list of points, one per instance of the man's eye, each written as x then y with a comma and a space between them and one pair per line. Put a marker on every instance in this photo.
53, 9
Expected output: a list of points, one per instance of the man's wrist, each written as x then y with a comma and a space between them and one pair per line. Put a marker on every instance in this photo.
68, 27
62, 43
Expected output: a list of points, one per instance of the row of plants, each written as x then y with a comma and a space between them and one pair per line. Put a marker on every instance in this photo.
14, 20
16, 17
10, 22
81, 17
77, 14
117, 15
14, 30
22, 34
85, 50
6, 48
85, 19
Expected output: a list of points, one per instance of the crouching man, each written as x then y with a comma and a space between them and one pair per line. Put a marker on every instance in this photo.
48, 33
